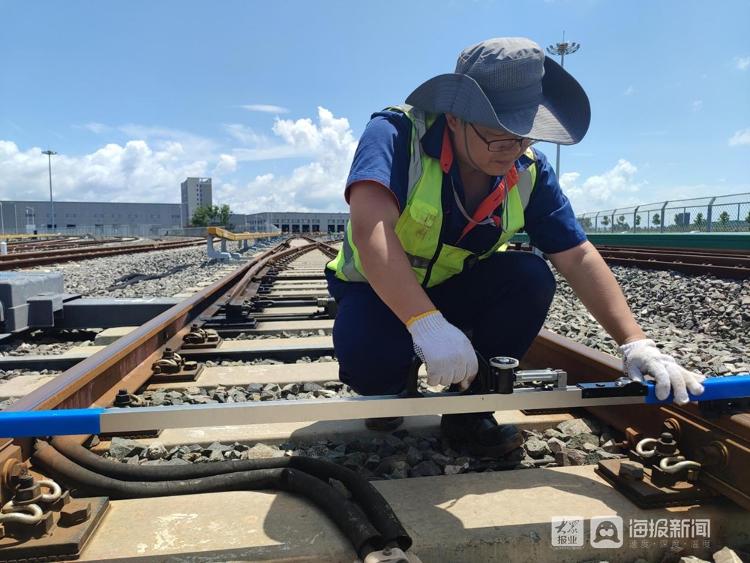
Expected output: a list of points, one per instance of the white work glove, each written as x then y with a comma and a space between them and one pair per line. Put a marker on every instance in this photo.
643, 357
445, 350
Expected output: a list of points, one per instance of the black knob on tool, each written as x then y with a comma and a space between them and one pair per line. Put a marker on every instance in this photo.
503, 370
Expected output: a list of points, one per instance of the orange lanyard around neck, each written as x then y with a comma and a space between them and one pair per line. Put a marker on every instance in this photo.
492, 201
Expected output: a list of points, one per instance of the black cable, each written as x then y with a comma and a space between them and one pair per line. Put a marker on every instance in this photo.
345, 514
363, 492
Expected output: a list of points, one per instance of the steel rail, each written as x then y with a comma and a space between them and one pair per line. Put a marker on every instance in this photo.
127, 245
23, 260
734, 272
34, 246
689, 258
326, 249
83, 251
724, 440
250, 282
734, 265
677, 250
93, 379
126, 363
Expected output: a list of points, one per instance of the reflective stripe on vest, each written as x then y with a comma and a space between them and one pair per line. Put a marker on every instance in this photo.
420, 223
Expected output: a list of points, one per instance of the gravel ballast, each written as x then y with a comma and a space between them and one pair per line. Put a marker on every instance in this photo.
397, 455
44, 343
95, 278
702, 321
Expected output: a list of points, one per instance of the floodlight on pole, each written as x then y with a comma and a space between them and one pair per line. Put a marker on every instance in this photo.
49, 154
562, 49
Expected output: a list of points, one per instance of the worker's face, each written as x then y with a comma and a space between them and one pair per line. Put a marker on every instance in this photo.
491, 151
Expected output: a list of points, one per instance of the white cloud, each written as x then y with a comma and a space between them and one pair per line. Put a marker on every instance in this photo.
629, 91
741, 137
697, 105
742, 63
227, 164
130, 172
613, 188
265, 108
317, 185
151, 164
163, 137
300, 139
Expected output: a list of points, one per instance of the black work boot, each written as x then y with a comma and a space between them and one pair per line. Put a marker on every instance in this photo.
480, 434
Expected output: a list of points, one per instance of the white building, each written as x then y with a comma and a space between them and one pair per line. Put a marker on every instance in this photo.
88, 217
195, 193
296, 222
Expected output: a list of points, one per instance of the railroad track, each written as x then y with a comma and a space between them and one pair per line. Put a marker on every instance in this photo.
41, 258
721, 263
282, 291
61, 243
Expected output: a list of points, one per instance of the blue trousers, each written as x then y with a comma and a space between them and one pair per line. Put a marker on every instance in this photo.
501, 302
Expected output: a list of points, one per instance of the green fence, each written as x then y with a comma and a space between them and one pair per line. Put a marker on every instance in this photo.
717, 214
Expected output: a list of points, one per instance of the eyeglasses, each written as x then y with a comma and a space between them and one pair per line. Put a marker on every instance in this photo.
505, 145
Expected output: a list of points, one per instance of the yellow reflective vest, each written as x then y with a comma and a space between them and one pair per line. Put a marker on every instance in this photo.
420, 223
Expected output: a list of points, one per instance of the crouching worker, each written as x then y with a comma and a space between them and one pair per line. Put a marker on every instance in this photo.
436, 189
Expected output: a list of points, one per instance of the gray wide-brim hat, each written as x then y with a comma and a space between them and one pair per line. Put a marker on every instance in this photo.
507, 83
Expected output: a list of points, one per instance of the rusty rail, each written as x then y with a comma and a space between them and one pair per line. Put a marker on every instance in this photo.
722, 263
719, 264
126, 363
40, 258
57, 244
699, 435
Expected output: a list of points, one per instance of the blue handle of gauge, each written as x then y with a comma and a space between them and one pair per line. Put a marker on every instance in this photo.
50, 423
714, 389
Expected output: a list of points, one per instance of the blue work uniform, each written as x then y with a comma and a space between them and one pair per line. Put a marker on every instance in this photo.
372, 345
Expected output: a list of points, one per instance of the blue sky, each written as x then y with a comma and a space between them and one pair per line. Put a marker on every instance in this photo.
269, 98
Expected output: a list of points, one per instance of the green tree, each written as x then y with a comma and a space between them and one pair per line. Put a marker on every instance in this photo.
637, 220
224, 213
747, 219
724, 220
605, 220
621, 224
656, 220
202, 216
585, 223
211, 214
699, 221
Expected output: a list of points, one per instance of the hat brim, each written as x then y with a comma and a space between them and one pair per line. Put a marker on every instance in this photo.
562, 114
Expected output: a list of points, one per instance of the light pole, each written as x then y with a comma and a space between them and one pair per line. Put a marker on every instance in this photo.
49, 154
562, 49
2, 219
